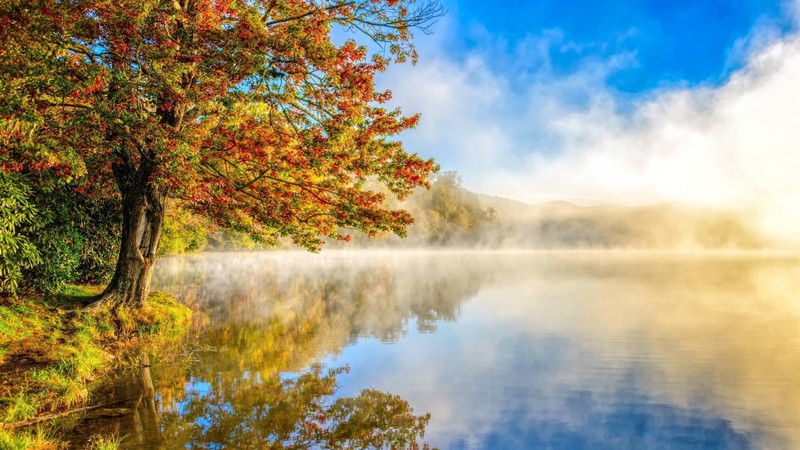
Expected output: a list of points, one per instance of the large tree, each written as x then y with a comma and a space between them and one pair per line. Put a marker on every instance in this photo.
261, 114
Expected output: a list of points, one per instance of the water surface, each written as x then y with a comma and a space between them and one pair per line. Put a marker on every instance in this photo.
554, 350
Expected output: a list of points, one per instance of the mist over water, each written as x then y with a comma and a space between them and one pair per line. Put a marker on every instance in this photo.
514, 349
549, 136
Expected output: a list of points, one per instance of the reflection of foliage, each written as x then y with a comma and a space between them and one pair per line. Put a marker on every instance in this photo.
270, 314
296, 413
288, 310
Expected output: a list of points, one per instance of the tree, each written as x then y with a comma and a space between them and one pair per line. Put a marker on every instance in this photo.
452, 214
248, 112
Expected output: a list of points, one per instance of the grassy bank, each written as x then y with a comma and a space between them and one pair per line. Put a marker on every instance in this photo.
52, 352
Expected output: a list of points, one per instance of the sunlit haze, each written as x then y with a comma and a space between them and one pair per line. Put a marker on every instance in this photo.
634, 104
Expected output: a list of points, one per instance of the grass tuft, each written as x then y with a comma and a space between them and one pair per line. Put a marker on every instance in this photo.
39, 439
100, 442
19, 407
56, 350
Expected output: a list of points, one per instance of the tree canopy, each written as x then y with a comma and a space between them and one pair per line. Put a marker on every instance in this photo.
262, 115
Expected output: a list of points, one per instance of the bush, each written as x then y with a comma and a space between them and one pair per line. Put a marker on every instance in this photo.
99, 222
60, 245
18, 220
51, 236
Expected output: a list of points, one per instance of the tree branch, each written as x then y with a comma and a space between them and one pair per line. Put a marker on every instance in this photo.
67, 105
309, 13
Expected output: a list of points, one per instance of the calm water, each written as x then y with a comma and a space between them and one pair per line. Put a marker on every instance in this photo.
504, 350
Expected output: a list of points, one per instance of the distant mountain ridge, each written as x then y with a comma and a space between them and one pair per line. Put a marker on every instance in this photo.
561, 224
447, 215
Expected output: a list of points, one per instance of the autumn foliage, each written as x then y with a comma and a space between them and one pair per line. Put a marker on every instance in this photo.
262, 115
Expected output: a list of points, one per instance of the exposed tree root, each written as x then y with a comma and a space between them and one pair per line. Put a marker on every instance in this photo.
103, 301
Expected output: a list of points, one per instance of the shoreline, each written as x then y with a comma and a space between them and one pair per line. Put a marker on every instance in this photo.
55, 354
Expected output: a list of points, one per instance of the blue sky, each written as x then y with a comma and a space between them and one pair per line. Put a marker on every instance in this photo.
624, 102
668, 42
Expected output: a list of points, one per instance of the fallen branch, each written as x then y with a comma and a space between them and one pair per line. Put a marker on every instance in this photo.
47, 417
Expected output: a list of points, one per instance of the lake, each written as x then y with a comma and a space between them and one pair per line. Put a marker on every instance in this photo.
504, 350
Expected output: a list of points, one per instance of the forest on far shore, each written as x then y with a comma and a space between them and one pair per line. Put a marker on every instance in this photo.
79, 237
450, 216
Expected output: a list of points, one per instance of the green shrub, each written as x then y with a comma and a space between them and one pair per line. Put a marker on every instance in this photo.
18, 219
79, 240
60, 245
99, 223
51, 236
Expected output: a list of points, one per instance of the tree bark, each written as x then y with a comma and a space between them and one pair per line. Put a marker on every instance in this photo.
142, 220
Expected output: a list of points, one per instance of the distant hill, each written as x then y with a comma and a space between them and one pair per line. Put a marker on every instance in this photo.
562, 224
448, 215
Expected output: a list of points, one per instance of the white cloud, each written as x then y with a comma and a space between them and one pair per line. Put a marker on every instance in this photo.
736, 145
529, 134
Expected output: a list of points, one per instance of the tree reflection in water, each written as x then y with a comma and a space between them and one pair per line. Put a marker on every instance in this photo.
586, 350
293, 413
127, 407
253, 380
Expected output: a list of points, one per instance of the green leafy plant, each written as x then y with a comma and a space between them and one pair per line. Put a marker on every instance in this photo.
18, 218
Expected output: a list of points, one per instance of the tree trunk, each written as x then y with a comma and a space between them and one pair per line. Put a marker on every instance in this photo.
142, 220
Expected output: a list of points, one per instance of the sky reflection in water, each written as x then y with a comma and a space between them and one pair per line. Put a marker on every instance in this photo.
515, 350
